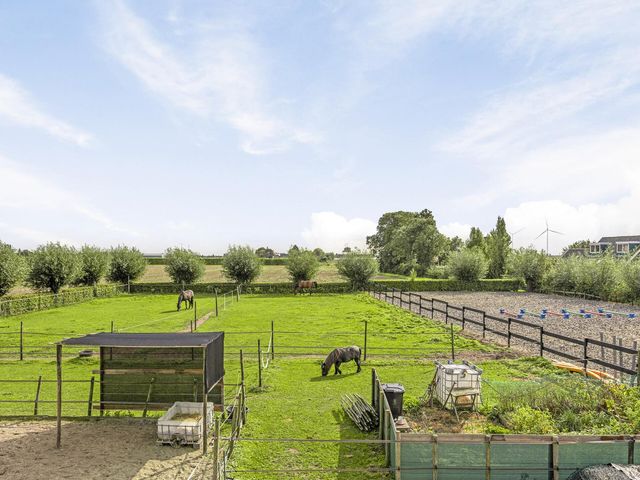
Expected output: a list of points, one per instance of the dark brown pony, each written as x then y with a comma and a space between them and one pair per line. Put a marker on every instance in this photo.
185, 296
339, 356
305, 285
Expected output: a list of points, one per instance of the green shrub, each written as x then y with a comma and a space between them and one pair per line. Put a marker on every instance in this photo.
530, 265
597, 276
438, 271
94, 263
563, 274
526, 419
357, 268
183, 266
127, 264
241, 265
53, 266
13, 268
302, 265
467, 265
630, 278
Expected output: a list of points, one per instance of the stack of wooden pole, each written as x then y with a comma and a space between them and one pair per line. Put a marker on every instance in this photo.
363, 415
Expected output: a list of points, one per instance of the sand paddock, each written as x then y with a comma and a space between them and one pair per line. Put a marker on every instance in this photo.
110, 448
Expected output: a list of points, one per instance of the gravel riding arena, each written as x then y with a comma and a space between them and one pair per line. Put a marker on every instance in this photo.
619, 328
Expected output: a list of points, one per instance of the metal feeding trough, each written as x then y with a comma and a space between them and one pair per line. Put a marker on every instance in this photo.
456, 386
182, 424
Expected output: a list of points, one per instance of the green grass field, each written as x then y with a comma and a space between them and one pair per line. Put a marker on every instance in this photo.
295, 401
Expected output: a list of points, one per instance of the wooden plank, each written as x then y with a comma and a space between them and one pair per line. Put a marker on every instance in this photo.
35, 403
59, 395
149, 371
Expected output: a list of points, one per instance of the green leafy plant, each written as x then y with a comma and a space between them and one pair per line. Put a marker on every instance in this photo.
241, 265
183, 266
467, 265
302, 265
53, 266
127, 264
13, 268
530, 265
94, 263
357, 268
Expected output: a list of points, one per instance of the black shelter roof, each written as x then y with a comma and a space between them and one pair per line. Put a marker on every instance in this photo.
141, 340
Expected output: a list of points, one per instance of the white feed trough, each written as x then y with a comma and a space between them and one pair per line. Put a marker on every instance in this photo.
182, 424
458, 385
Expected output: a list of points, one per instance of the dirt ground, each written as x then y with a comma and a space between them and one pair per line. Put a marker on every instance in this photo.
116, 449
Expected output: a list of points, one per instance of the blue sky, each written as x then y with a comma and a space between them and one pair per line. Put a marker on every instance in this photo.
205, 124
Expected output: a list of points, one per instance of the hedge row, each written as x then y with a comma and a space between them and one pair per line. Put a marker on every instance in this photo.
218, 261
435, 285
452, 285
209, 288
20, 304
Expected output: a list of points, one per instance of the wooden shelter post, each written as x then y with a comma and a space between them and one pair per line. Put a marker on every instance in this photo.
204, 400
59, 395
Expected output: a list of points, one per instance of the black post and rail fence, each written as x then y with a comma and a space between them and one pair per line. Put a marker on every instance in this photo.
586, 352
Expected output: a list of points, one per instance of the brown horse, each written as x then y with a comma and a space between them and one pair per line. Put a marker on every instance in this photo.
185, 296
305, 285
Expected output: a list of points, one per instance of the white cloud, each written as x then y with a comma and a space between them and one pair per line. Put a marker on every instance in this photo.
18, 107
332, 232
576, 222
29, 194
455, 229
222, 75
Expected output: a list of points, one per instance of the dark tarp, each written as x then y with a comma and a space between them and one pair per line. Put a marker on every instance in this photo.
167, 340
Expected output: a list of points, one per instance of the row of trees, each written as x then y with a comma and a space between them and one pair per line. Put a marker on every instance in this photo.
53, 266
242, 265
409, 243
606, 277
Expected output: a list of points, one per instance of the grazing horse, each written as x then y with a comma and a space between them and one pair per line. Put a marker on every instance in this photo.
341, 355
305, 284
185, 296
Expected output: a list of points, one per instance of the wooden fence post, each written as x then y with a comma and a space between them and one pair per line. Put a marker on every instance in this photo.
195, 315
259, 365
487, 457
35, 403
111, 326
129, 284
373, 387
216, 290
464, 310
21, 342
509, 332
555, 458
585, 351
366, 324
90, 403
59, 395
216, 447
273, 336
453, 348
484, 325
542, 342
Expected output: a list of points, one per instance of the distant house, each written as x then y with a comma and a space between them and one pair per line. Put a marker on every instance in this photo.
622, 245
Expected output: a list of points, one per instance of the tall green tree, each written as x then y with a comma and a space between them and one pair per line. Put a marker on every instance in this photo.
408, 241
357, 268
476, 239
94, 263
302, 265
241, 264
53, 266
497, 248
265, 252
127, 264
530, 265
13, 268
183, 265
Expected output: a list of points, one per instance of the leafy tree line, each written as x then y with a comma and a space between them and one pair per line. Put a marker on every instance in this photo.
53, 266
409, 243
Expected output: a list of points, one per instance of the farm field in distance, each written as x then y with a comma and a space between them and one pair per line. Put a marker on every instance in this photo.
270, 274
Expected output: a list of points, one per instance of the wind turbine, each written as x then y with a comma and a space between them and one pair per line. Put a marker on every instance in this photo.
513, 234
547, 230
